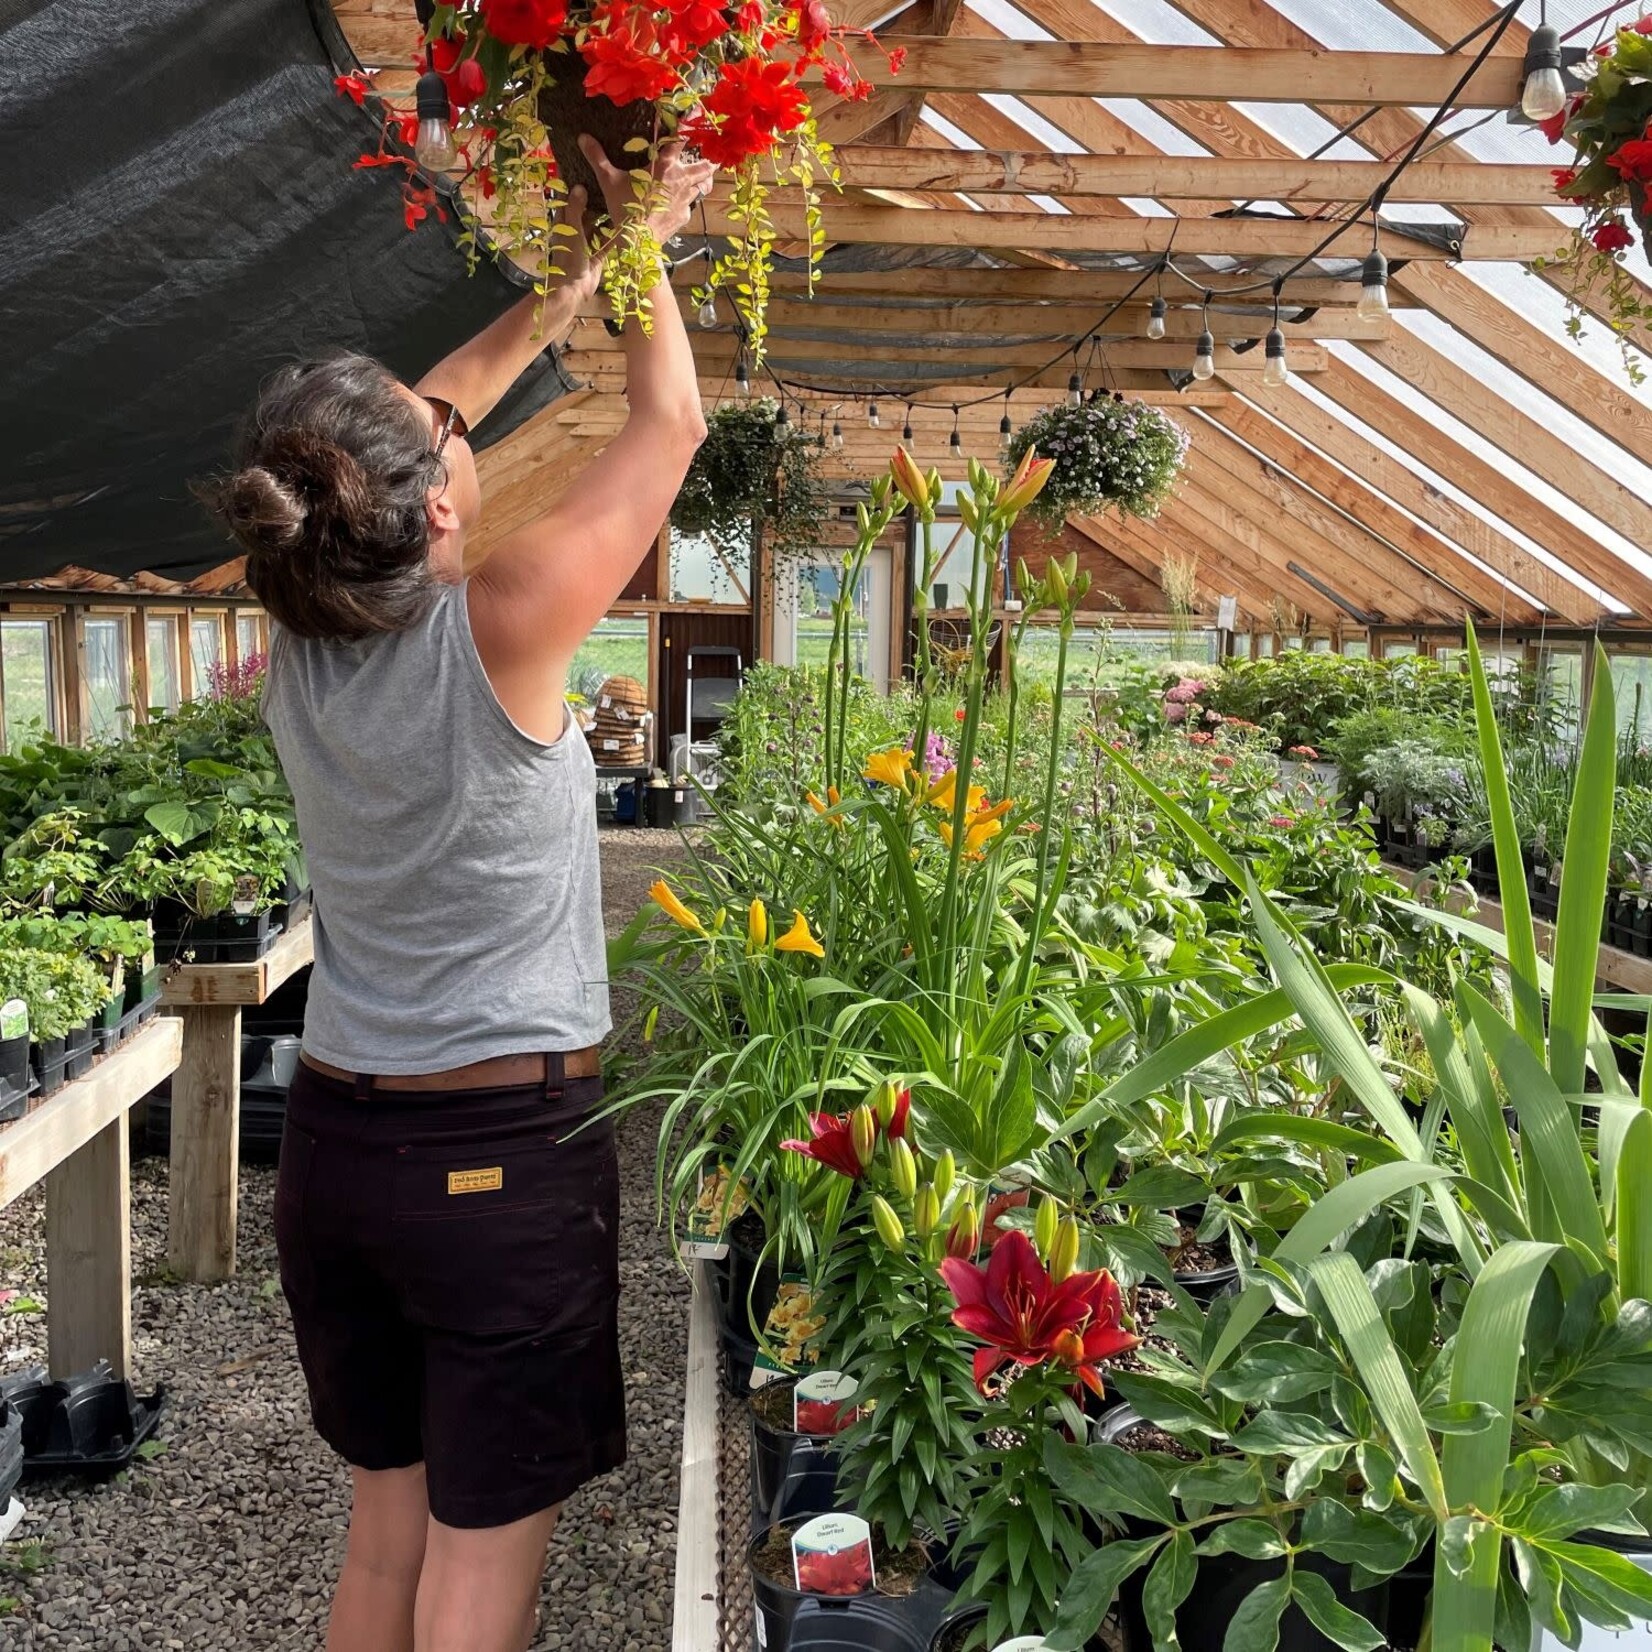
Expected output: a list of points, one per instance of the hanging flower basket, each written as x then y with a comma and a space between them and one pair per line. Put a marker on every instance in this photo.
525, 78
1107, 452
1610, 125
752, 468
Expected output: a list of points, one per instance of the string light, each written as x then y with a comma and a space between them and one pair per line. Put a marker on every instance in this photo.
1204, 352
1005, 429
782, 422
873, 421
1276, 370
906, 429
1373, 292
742, 380
708, 313
1155, 318
837, 436
1075, 383
955, 441
433, 146
1544, 94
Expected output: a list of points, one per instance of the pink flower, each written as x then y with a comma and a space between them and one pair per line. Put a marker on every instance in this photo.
1281, 820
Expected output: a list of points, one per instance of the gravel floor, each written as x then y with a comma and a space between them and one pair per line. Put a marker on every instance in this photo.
230, 1535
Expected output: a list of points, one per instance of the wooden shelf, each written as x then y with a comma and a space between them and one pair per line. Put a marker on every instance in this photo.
249, 983
64, 1123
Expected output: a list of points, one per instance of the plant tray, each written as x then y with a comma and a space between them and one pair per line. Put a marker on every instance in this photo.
110, 1038
11, 1450
206, 947
90, 1425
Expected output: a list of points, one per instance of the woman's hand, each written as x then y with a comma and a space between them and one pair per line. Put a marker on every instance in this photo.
581, 266
678, 187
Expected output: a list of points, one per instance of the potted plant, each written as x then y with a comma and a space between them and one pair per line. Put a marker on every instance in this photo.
511, 84
755, 469
1107, 452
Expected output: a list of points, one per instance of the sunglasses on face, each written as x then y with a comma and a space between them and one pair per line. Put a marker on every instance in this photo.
452, 422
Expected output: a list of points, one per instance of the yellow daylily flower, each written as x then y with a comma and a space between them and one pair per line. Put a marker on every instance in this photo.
944, 793
975, 835
662, 896
890, 768
757, 927
799, 938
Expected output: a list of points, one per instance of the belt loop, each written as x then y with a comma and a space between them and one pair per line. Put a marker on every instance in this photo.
554, 1074
364, 1086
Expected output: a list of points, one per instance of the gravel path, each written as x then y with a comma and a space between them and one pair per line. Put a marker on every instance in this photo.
230, 1536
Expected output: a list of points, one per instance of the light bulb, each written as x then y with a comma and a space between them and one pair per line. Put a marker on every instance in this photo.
1005, 431
872, 418
1373, 292
708, 313
837, 434
781, 421
955, 442
1075, 389
1204, 356
906, 432
1544, 95
433, 145
1155, 319
1275, 370
742, 379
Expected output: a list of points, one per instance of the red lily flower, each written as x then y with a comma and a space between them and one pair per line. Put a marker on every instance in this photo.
830, 1142
1015, 1308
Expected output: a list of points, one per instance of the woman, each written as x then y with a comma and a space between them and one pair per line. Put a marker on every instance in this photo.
448, 1245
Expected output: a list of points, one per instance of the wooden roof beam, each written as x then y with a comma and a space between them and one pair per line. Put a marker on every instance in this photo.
1143, 546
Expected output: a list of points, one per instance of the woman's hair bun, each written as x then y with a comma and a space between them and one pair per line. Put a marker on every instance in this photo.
302, 482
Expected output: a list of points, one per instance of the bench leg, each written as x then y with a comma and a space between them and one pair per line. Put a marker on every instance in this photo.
206, 1133
89, 1256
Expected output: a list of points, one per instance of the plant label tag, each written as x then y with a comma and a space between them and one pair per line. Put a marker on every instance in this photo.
716, 1204
1596, 1639
792, 1325
1022, 1643
832, 1555
823, 1403
14, 1019
1227, 618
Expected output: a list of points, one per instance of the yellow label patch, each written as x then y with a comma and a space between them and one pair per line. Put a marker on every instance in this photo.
476, 1181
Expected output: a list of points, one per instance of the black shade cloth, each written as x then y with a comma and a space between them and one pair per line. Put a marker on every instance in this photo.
180, 216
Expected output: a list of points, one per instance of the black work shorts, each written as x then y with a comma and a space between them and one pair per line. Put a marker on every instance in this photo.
452, 1262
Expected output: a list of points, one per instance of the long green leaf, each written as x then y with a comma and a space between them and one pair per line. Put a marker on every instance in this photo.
1345, 1206
1311, 1132
1634, 1209
1485, 1363
1553, 1153
1511, 866
1583, 884
1180, 818
1339, 1280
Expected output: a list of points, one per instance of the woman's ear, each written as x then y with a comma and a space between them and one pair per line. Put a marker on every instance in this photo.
441, 512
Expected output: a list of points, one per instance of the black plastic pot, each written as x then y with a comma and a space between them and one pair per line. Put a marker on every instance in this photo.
11, 1451
143, 987
48, 1058
15, 1083
792, 1475
91, 1424
224, 939
748, 1286
788, 1619
1640, 929
80, 1049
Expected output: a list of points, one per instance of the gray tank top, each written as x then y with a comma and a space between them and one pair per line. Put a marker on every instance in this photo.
458, 900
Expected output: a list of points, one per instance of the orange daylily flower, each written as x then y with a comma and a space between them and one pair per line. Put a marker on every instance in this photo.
829, 807
910, 479
800, 938
662, 896
980, 826
944, 793
890, 768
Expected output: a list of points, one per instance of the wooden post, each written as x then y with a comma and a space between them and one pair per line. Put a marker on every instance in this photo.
206, 1130
89, 1255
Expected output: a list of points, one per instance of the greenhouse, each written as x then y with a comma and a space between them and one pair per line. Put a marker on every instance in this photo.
751, 901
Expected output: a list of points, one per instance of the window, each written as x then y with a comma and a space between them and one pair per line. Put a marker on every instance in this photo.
1356, 648
1398, 650
206, 652
161, 648
618, 647
702, 570
249, 637
26, 666
106, 676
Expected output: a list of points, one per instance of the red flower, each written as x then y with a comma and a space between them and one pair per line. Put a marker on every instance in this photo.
1554, 128
830, 1142
814, 24
692, 24
749, 18
1307, 752
1564, 178
535, 23
1644, 26
1613, 236
897, 60
1222, 760
752, 103
1015, 1308
466, 83
1281, 821
407, 128
846, 81
1633, 162
960, 714
623, 63
352, 87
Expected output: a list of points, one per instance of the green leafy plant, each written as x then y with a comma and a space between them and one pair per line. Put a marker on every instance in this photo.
1107, 452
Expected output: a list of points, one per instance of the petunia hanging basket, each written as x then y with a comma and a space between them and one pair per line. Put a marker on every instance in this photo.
1609, 123
1107, 453
525, 78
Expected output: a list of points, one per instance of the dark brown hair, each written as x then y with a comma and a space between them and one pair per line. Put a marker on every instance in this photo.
328, 497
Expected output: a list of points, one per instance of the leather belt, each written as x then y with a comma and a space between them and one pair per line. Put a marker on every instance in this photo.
500, 1073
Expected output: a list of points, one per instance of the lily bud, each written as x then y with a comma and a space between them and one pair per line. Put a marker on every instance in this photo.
926, 1211
863, 1133
1026, 484
903, 1169
887, 1099
976, 472
757, 927
880, 491
888, 1224
863, 518
1044, 1226
1081, 587
946, 1173
964, 1236
913, 484
966, 512
719, 920
1024, 579
1064, 1252
1057, 577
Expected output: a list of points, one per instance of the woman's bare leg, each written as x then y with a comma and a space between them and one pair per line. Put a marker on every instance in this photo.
389, 1518
478, 1589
